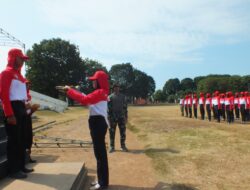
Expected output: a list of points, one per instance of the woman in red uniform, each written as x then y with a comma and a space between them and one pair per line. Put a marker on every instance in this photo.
229, 103
195, 105
247, 106
202, 105
236, 105
208, 106
97, 102
242, 107
223, 108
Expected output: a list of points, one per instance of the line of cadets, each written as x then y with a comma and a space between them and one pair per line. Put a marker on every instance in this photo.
226, 106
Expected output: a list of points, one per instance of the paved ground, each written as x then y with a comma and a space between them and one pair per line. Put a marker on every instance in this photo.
49, 176
132, 170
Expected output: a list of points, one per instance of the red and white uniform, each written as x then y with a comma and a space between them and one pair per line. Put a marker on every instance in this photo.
216, 101
12, 87
98, 99
190, 101
186, 102
195, 101
243, 101
248, 102
209, 101
229, 101
181, 102
222, 100
201, 99
236, 100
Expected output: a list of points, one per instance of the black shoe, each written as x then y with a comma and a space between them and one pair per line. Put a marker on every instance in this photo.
18, 175
124, 149
26, 170
111, 150
32, 161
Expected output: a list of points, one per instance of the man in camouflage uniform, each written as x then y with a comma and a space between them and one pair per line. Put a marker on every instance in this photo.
117, 114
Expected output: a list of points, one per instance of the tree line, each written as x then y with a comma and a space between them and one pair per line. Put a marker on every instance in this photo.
175, 88
56, 62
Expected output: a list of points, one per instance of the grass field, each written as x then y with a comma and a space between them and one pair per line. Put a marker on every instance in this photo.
197, 154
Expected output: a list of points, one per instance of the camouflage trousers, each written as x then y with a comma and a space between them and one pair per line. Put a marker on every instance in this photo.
122, 128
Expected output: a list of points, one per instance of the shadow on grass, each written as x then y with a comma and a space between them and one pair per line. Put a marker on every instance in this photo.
150, 151
174, 186
160, 150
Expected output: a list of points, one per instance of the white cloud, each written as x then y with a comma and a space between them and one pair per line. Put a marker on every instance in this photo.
147, 31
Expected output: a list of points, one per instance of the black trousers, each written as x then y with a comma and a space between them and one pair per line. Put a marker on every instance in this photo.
213, 111
195, 111
182, 110
217, 113
16, 138
237, 111
247, 114
190, 111
223, 111
98, 129
186, 111
230, 114
202, 111
243, 112
28, 132
208, 109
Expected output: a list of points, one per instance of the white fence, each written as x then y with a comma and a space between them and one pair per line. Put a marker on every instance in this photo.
47, 102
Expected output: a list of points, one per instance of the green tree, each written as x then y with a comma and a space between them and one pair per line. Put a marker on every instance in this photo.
159, 96
54, 62
187, 84
172, 86
151, 85
143, 85
197, 80
245, 82
171, 98
124, 75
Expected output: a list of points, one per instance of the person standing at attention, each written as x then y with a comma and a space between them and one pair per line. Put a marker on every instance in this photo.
202, 105
13, 94
181, 103
208, 103
98, 123
195, 105
118, 115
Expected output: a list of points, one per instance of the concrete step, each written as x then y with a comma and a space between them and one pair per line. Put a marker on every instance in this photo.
50, 176
80, 179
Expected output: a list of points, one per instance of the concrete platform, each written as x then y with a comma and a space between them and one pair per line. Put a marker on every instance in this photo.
49, 176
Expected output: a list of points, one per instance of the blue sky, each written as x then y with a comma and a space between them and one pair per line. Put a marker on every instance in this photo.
164, 38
